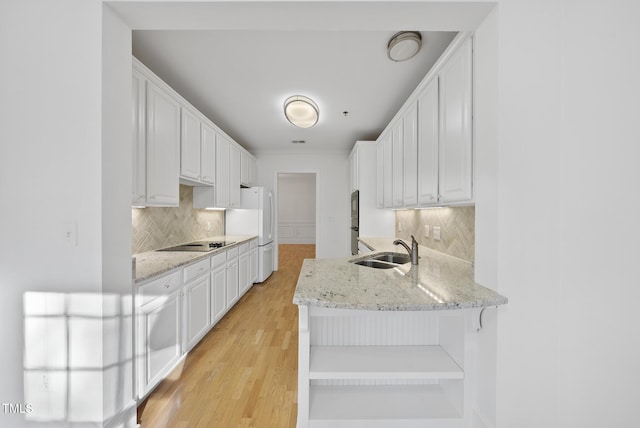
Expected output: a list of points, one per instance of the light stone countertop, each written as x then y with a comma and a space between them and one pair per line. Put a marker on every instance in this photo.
438, 282
150, 264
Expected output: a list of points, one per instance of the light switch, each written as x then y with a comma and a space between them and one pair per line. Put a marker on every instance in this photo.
70, 234
436, 233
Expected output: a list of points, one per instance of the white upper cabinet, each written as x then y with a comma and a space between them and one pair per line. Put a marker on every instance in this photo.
387, 167
189, 145
207, 154
456, 150
234, 176
380, 173
172, 142
248, 171
353, 168
223, 147
139, 183
410, 156
433, 136
428, 144
163, 147
397, 174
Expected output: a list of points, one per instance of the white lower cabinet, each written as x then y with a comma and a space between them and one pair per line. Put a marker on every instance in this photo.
176, 310
218, 286
159, 332
384, 369
244, 269
253, 261
197, 310
232, 277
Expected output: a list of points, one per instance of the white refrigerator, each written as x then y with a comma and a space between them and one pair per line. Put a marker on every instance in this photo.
255, 217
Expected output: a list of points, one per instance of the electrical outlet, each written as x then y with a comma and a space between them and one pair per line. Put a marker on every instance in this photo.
426, 231
437, 235
399, 226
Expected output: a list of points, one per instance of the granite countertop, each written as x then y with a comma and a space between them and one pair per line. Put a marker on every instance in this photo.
438, 282
150, 264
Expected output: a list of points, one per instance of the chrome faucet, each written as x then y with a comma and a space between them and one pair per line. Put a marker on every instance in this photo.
413, 251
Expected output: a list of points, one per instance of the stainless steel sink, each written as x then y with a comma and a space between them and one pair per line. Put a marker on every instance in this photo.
398, 258
374, 264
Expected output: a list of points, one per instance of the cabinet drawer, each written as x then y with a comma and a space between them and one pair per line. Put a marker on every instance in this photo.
244, 248
195, 270
162, 286
232, 253
218, 259
253, 244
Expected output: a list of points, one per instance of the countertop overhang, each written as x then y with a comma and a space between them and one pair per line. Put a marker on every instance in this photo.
150, 264
438, 282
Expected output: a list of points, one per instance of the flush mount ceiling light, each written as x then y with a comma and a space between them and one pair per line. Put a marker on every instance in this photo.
404, 45
301, 111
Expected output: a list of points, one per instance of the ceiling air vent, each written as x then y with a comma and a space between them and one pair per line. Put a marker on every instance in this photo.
298, 141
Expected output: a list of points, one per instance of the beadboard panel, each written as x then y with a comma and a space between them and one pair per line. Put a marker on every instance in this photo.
409, 328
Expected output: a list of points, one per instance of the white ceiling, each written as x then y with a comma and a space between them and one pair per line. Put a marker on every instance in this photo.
240, 79
238, 61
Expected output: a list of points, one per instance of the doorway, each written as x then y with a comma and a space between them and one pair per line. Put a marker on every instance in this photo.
296, 208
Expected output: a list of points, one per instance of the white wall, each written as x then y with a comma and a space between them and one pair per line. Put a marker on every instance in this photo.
567, 214
332, 193
52, 174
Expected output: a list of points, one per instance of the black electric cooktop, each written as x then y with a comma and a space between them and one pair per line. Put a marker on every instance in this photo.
201, 246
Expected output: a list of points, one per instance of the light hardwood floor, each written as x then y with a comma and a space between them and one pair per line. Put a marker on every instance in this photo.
244, 372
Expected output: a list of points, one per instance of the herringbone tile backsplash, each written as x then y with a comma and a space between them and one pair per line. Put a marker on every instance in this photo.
457, 227
155, 228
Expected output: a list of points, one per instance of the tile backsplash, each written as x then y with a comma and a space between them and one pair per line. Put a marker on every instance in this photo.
156, 227
457, 229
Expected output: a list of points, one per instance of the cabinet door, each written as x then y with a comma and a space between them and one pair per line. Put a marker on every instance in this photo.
160, 339
207, 154
380, 173
197, 310
189, 145
253, 171
455, 178
244, 272
410, 155
397, 162
428, 145
353, 169
163, 147
232, 281
254, 265
387, 179
138, 188
222, 172
244, 169
234, 176
218, 293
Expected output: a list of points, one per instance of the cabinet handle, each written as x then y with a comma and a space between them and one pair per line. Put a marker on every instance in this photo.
167, 285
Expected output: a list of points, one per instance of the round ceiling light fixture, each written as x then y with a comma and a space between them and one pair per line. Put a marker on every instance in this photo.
404, 45
301, 111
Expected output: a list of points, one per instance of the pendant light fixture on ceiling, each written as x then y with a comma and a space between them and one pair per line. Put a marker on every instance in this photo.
404, 45
301, 111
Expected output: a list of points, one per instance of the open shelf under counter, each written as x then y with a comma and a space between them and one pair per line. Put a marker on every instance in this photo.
382, 362
382, 406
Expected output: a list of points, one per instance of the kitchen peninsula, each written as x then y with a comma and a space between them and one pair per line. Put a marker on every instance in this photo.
388, 347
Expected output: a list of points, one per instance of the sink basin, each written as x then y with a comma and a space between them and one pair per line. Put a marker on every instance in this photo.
374, 264
398, 258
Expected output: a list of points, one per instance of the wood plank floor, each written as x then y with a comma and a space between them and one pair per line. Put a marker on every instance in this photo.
244, 372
